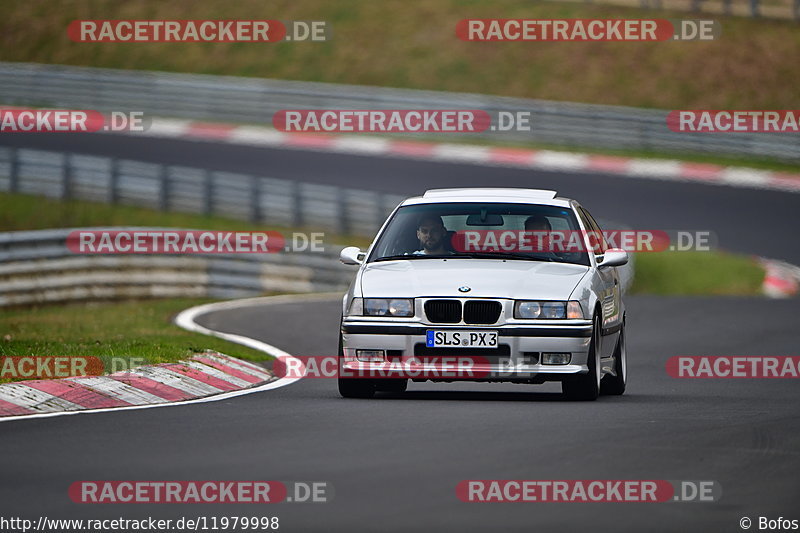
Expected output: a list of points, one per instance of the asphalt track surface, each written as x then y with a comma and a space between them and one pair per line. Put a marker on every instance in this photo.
395, 461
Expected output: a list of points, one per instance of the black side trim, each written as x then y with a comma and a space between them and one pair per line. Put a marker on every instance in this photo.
362, 329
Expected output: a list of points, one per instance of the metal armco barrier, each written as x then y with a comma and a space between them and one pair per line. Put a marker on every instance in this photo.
255, 100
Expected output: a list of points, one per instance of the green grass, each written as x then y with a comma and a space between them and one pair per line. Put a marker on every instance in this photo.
697, 273
133, 331
412, 43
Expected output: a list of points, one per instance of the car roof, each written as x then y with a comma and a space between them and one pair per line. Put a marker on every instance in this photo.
490, 194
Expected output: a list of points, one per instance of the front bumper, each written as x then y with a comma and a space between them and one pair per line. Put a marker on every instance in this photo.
516, 359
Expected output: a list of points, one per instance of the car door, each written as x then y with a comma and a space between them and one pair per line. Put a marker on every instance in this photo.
609, 288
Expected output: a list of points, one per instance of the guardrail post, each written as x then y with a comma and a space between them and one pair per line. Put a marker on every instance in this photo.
297, 199
113, 182
341, 209
796, 9
255, 198
754, 8
66, 177
380, 212
164, 188
727, 6
208, 195
13, 175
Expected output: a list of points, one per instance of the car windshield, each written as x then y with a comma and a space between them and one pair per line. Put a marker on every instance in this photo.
479, 231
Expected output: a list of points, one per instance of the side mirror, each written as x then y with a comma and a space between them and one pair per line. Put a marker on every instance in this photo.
352, 255
614, 257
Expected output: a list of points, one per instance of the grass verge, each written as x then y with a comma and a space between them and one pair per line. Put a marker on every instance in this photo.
140, 332
697, 273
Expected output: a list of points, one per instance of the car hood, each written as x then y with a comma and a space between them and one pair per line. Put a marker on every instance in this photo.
486, 278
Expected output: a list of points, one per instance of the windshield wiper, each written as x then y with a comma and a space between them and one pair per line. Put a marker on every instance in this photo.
409, 256
501, 255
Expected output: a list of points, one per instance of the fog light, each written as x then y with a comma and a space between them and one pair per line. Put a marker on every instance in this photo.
371, 356
556, 358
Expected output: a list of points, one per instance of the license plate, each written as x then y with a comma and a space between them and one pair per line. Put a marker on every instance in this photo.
464, 339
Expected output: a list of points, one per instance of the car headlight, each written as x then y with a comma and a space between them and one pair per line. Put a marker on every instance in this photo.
527, 310
388, 307
547, 310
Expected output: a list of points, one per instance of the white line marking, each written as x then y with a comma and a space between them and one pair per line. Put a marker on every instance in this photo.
256, 136
739, 176
654, 168
361, 145
460, 152
164, 127
560, 160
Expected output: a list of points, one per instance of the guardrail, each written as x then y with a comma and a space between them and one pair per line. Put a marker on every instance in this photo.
261, 200
37, 267
254, 100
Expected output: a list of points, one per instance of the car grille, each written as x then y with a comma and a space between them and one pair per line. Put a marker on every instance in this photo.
482, 311
443, 311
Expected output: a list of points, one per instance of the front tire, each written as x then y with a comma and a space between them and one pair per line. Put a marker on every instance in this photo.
586, 387
353, 387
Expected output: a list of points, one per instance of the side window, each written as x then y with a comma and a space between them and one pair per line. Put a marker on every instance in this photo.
592, 226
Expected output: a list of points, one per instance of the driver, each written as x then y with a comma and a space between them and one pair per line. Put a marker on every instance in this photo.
432, 236
540, 224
